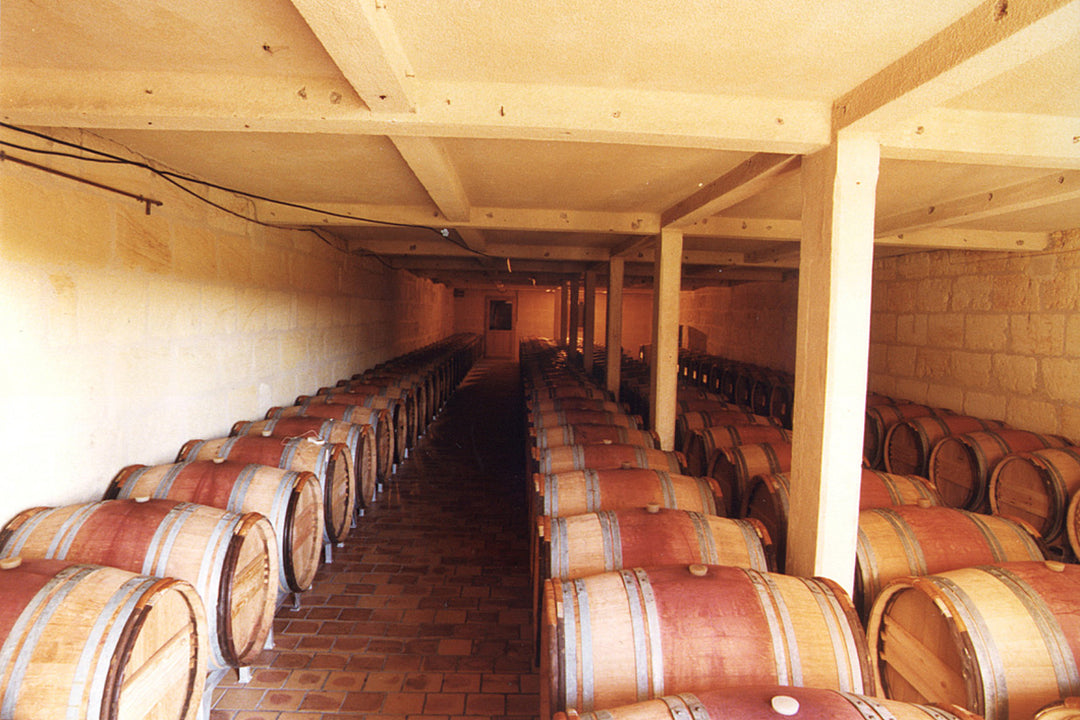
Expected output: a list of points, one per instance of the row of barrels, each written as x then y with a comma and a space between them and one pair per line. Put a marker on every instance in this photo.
906, 556
982, 465
130, 606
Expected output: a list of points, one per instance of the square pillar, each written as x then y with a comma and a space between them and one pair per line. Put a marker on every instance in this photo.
664, 376
614, 325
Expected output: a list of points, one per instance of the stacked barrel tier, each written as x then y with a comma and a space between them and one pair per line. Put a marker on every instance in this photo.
380, 421
757, 702
1037, 487
588, 434
413, 390
908, 443
1000, 640
292, 501
768, 500
688, 422
330, 462
543, 405
961, 465
544, 419
566, 458
581, 545
359, 438
880, 419
87, 642
399, 416
616, 638
585, 491
404, 398
703, 445
911, 541
230, 559
734, 467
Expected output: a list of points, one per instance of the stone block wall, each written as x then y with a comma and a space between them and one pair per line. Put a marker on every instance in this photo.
127, 334
990, 334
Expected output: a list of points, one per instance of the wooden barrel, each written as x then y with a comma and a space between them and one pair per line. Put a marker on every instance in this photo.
593, 435
290, 500
703, 444
399, 414
413, 392
909, 442
761, 702
1036, 487
87, 642
734, 467
880, 418
542, 405
381, 422
1067, 709
360, 439
1072, 525
605, 457
581, 545
329, 462
911, 540
688, 422
568, 388
230, 559
554, 418
960, 465
585, 491
767, 500
620, 637
999, 640
378, 396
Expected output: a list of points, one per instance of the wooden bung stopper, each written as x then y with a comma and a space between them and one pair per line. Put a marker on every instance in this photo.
267, 432
141, 498
699, 570
1055, 565
218, 460
652, 508
924, 503
785, 705
10, 563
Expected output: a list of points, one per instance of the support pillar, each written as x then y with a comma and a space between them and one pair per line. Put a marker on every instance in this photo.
564, 318
588, 339
575, 318
614, 325
667, 281
833, 337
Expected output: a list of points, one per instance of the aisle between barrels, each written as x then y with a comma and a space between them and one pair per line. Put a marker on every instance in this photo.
426, 609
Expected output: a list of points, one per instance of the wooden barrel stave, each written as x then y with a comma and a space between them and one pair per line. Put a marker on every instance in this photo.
567, 458
586, 434
704, 443
583, 491
379, 420
556, 418
399, 414
880, 418
1036, 487
909, 442
290, 499
116, 644
231, 559
734, 467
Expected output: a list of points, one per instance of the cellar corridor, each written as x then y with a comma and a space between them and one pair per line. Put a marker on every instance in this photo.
425, 611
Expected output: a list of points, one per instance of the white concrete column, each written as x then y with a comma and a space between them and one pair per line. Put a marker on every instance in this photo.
667, 281
589, 333
614, 325
575, 317
833, 336
564, 318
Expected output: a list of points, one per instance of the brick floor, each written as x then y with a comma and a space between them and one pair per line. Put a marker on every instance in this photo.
425, 612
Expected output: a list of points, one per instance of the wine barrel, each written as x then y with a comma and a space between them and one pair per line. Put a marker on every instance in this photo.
912, 540
688, 422
380, 421
329, 462
230, 559
760, 702
399, 414
605, 457
880, 418
960, 465
568, 388
376, 396
585, 491
593, 435
1036, 487
290, 500
999, 640
543, 405
1067, 709
88, 642
619, 637
360, 439
734, 467
581, 545
703, 444
554, 418
908, 443
767, 500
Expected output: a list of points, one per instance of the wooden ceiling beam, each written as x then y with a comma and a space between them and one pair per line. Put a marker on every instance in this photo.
719, 226
964, 239
751, 177
996, 36
1046, 190
360, 38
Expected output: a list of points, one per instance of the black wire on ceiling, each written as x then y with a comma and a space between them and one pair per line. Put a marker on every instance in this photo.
176, 179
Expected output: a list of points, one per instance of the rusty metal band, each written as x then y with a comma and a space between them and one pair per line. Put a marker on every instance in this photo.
782, 635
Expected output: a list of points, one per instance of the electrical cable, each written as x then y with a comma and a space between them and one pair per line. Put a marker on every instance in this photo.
175, 179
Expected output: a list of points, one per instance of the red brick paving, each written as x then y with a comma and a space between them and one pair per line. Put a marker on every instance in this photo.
425, 612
